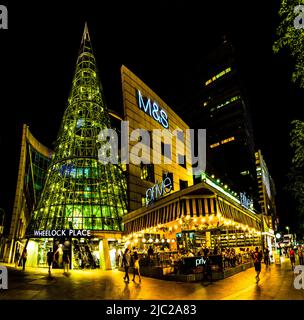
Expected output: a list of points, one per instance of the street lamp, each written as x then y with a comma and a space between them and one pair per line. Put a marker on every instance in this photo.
287, 228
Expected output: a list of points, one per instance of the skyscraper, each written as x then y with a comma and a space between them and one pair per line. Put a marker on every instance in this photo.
267, 202
224, 113
80, 192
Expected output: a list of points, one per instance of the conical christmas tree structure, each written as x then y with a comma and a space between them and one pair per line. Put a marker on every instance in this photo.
80, 192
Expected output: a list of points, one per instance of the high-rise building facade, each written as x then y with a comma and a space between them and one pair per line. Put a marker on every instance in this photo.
267, 202
224, 113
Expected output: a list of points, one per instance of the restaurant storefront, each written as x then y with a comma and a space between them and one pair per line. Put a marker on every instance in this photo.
186, 227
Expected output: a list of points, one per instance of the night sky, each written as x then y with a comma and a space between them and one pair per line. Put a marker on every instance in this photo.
163, 42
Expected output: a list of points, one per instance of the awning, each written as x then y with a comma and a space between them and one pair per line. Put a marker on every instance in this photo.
231, 212
196, 201
192, 206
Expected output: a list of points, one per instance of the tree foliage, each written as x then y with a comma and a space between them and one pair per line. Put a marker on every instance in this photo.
291, 38
297, 143
296, 174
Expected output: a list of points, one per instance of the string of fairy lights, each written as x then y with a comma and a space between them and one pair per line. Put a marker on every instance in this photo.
207, 223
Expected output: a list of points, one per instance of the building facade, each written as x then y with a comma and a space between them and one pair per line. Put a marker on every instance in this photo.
33, 163
267, 200
70, 202
224, 112
163, 153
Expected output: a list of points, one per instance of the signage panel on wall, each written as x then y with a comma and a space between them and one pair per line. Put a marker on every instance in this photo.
61, 233
158, 190
152, 109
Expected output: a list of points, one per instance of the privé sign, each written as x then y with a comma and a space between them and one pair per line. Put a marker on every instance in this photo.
158, 190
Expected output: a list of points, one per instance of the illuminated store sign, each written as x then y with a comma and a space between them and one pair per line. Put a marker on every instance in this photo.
200, 261
62, 233
158, 190
245, 201
153, 110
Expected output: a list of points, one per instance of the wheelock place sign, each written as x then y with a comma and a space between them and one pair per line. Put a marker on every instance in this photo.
61, 233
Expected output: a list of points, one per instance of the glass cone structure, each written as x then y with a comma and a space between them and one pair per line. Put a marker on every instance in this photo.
80, 192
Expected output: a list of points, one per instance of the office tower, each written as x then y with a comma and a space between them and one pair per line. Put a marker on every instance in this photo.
224, 112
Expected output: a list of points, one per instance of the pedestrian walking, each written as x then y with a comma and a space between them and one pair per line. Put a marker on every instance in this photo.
267, 257
300, 255
150, 255
17, 257
207, 272
50, 259
136, 265
66, 261
292, 257
24, 258
126, 264
257, 261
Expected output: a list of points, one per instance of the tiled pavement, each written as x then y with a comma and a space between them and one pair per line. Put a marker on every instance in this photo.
276, 283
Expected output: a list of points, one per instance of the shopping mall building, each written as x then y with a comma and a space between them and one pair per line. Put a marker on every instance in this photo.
68, 201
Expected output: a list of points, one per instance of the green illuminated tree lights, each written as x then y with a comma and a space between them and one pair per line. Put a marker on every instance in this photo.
80, 192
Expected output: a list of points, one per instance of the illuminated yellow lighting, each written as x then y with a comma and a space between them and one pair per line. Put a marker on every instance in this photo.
163, 240
214, 145
136, 240
217, 76
143, 240
175, 226
168, 240
194, 220
172, 240
227, 140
